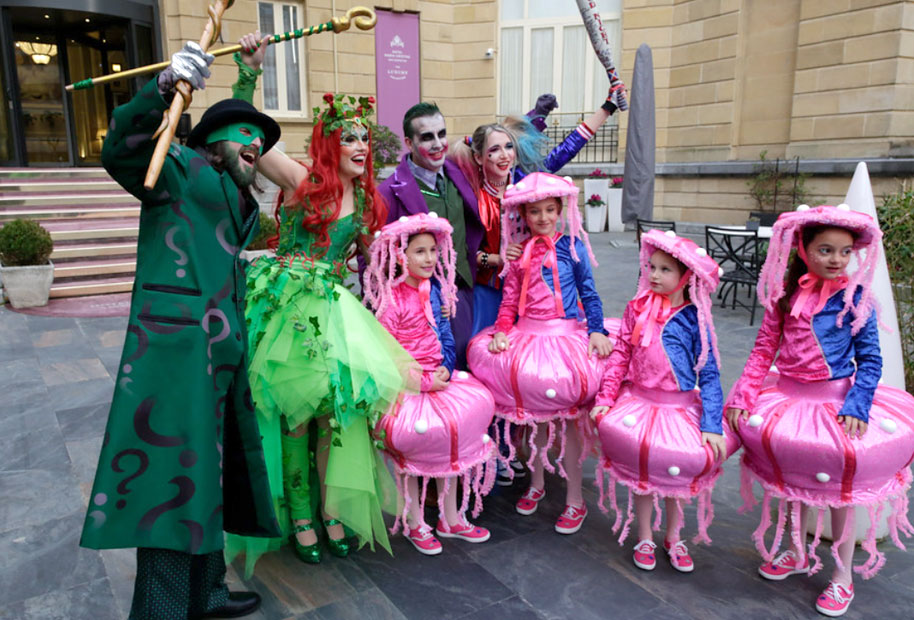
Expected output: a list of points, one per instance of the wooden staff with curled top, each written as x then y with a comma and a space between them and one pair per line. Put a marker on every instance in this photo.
363, 18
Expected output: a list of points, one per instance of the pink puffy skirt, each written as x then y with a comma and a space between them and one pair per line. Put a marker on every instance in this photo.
651, 443
545, 376
442, 434
799, 453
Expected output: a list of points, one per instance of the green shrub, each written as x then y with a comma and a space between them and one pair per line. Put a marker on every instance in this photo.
267, 230
24, 242
778, 185
896, 217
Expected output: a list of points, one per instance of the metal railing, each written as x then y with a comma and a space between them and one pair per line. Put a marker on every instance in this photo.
603, 148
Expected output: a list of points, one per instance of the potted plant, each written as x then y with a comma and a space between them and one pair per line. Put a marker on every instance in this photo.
775, 189
25, 266
596, 183
595, 213
614, 205
258, 245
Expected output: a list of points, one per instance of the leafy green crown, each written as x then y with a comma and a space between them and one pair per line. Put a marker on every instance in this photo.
342, 111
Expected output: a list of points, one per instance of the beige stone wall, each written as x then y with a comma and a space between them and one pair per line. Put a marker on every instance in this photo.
725, 200
454, 37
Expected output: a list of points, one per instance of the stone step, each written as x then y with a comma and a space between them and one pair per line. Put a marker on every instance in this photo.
63, 231
56, 198
86, 268
70, 213
90, 250
29, 186
102, 286
51, 173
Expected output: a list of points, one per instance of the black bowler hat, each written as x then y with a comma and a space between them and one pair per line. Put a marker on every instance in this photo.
230, 111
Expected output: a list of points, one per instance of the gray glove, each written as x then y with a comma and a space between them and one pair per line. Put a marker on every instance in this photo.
190, 64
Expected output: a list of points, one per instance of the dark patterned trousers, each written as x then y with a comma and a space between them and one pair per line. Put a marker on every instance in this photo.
172, 585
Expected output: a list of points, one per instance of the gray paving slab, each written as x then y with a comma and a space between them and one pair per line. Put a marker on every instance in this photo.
56, 381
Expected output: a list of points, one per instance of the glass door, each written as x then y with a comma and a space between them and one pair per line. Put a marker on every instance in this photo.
43, 113
7, 151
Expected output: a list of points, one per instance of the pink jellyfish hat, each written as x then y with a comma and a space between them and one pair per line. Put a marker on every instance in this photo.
531, 188
387, 264
703, 277
786, 235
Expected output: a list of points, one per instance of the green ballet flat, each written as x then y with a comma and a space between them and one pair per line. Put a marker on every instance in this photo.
309, 554
339, 548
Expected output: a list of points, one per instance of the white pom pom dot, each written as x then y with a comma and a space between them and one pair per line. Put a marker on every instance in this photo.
701, 252
377, 234
671, 234
421, 426
673, 470
803, 208
844, 207
433, 215
720, 272
463, 374
486, 438
568, 179
629, 420
755, 420
550, 393
510, 187
404, 219
823, 477
889, 426
521, 185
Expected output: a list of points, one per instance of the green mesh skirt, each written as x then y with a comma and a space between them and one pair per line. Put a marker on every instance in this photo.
315, 350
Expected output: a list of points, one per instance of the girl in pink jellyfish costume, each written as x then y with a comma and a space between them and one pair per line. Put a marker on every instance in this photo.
544, 369
661, 437
821, 432
440, 431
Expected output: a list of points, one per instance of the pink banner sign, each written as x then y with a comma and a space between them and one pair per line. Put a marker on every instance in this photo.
396, 42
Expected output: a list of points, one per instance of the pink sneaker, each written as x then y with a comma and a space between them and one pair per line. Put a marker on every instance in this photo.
835, 599
571, 519
423, 540
463, 530
679, 556
644, 556
783, 566
528, 502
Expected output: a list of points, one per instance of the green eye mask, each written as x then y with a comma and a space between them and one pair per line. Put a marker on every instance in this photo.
233, 132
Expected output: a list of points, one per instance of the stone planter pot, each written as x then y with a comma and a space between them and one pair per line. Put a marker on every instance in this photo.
28, 286
614, 209
595, 217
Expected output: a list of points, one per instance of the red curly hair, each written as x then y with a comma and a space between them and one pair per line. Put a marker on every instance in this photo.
322, 192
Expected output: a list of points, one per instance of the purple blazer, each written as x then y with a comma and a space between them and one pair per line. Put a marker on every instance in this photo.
401, 193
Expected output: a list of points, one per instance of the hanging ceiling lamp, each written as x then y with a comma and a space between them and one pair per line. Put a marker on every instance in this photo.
40, 53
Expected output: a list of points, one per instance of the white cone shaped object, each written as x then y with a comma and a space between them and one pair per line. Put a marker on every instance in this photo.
860, 198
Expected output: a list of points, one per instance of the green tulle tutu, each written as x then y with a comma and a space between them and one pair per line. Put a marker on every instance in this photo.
315, 350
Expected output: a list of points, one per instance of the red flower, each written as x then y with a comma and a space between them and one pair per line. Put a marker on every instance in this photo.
371, 100
328, 97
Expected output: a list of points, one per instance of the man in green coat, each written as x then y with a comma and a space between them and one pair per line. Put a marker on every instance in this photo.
182, 459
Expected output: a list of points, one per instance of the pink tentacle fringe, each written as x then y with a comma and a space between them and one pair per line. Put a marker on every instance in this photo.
846, 533
465, 479
815, 562
758, 536
629, 517
745, 490
876, 559
680, 517
402, 489
705, 515
442, 494
797, 529
658, 513
531, 443
560, 461
544, 453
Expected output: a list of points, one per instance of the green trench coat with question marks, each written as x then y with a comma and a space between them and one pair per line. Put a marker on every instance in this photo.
181, 459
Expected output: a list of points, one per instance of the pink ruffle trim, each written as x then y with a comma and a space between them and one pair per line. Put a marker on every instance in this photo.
606, 479
897, 522
477, 479
586, 434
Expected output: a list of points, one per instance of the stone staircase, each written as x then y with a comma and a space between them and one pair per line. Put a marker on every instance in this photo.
93, 221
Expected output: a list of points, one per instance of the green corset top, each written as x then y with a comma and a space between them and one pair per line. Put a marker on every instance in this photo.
294, 238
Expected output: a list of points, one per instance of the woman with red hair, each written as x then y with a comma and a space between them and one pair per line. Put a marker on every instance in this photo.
318, 359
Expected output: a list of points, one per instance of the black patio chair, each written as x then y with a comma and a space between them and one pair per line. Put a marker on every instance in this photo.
643, 226
737, 253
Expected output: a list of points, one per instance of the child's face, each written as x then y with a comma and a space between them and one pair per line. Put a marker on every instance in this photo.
422, 256
665, 273
542, 215
829, 252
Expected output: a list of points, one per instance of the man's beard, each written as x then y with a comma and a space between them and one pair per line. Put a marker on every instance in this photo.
228, 160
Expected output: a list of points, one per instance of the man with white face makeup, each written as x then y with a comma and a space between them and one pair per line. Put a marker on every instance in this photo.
426, 182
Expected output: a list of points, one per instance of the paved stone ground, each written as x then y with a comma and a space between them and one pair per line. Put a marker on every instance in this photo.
56, 380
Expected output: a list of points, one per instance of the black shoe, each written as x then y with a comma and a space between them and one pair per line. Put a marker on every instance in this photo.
238, 604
